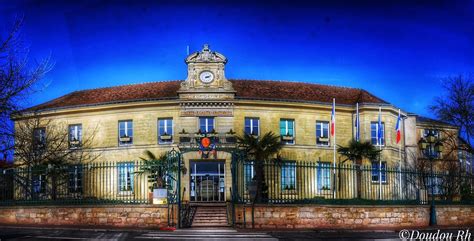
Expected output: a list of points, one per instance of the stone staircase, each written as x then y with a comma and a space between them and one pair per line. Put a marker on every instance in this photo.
210, 216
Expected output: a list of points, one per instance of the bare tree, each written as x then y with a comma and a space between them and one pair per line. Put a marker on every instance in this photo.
18, 80
44, 147
456, 106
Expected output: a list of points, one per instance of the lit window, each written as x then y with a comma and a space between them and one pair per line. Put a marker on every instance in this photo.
252, 126
374, 130
376, 173
125, 177
323, 176
322, 133
288, 176
126, 132
287, 131
75, 135
165, 131
206, 124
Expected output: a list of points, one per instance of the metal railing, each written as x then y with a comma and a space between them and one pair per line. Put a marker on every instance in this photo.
321, 182
96, 183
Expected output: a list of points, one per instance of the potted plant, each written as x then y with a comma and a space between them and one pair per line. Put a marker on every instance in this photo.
184, 137
287, 137
198, 136
230, 136
157, 169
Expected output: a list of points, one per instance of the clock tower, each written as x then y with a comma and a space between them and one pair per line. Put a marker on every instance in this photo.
206, 91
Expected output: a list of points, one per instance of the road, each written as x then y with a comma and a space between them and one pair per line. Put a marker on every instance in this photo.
30, 233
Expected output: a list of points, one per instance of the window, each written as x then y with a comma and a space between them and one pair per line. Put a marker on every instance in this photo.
75, 135
206, 124
252, 126
165, 131
433, 132
436, 184
75, 179
375, 171
374, 128
125, 177
288, 176
322, 133
248, 173
323, 177
126, 132
287, 131
429, 151
39, 183
39, 138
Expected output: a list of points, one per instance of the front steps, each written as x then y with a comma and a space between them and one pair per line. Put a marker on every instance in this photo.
210, 216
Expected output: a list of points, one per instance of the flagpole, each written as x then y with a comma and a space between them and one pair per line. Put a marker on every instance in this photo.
399, 153
357, 123
380, 153
334, 146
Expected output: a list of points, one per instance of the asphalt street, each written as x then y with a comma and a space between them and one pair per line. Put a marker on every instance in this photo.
32, 233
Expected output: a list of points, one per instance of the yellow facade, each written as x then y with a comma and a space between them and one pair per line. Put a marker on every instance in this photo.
101, 122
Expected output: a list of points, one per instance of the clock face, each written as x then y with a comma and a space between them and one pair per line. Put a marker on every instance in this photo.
206, 76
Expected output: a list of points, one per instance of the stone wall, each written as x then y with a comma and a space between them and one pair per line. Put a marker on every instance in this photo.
348, 217
98, 216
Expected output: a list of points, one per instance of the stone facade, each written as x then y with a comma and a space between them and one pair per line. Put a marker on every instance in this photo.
351, 217
266, 216
144, 216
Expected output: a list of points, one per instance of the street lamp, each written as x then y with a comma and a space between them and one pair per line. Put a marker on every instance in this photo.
434, 147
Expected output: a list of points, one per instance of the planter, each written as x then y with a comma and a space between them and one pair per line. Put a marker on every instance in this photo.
74, 143
323, 139
166, 137
287, 138
160, 196
125, 139
230, 139
184, 138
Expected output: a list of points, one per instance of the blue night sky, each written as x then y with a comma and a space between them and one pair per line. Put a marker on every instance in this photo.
398, 50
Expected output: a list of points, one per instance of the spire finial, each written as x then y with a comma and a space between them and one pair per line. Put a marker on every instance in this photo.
206, 47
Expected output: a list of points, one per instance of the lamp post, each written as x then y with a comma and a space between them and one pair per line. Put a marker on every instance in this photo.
431, 147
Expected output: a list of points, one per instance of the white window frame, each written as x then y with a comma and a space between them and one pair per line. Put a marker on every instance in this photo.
376, 133
322, 130
207, 123
129, 168
382, 172
252, 119
126, 129
287, 130
166, 120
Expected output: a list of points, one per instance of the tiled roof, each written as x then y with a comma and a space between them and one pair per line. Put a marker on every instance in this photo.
426, 120
248, 89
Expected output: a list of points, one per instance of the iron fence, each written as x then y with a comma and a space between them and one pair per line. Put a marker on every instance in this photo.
95, 183
322, 182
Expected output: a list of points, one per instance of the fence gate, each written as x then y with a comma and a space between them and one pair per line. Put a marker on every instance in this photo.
173, 182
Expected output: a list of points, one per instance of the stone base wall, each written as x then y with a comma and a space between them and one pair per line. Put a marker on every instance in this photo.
349, 217
116, 216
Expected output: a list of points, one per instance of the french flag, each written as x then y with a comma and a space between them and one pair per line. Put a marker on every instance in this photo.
397, 128
333, 117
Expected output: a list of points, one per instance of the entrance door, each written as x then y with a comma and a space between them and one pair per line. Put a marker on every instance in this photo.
207, 182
